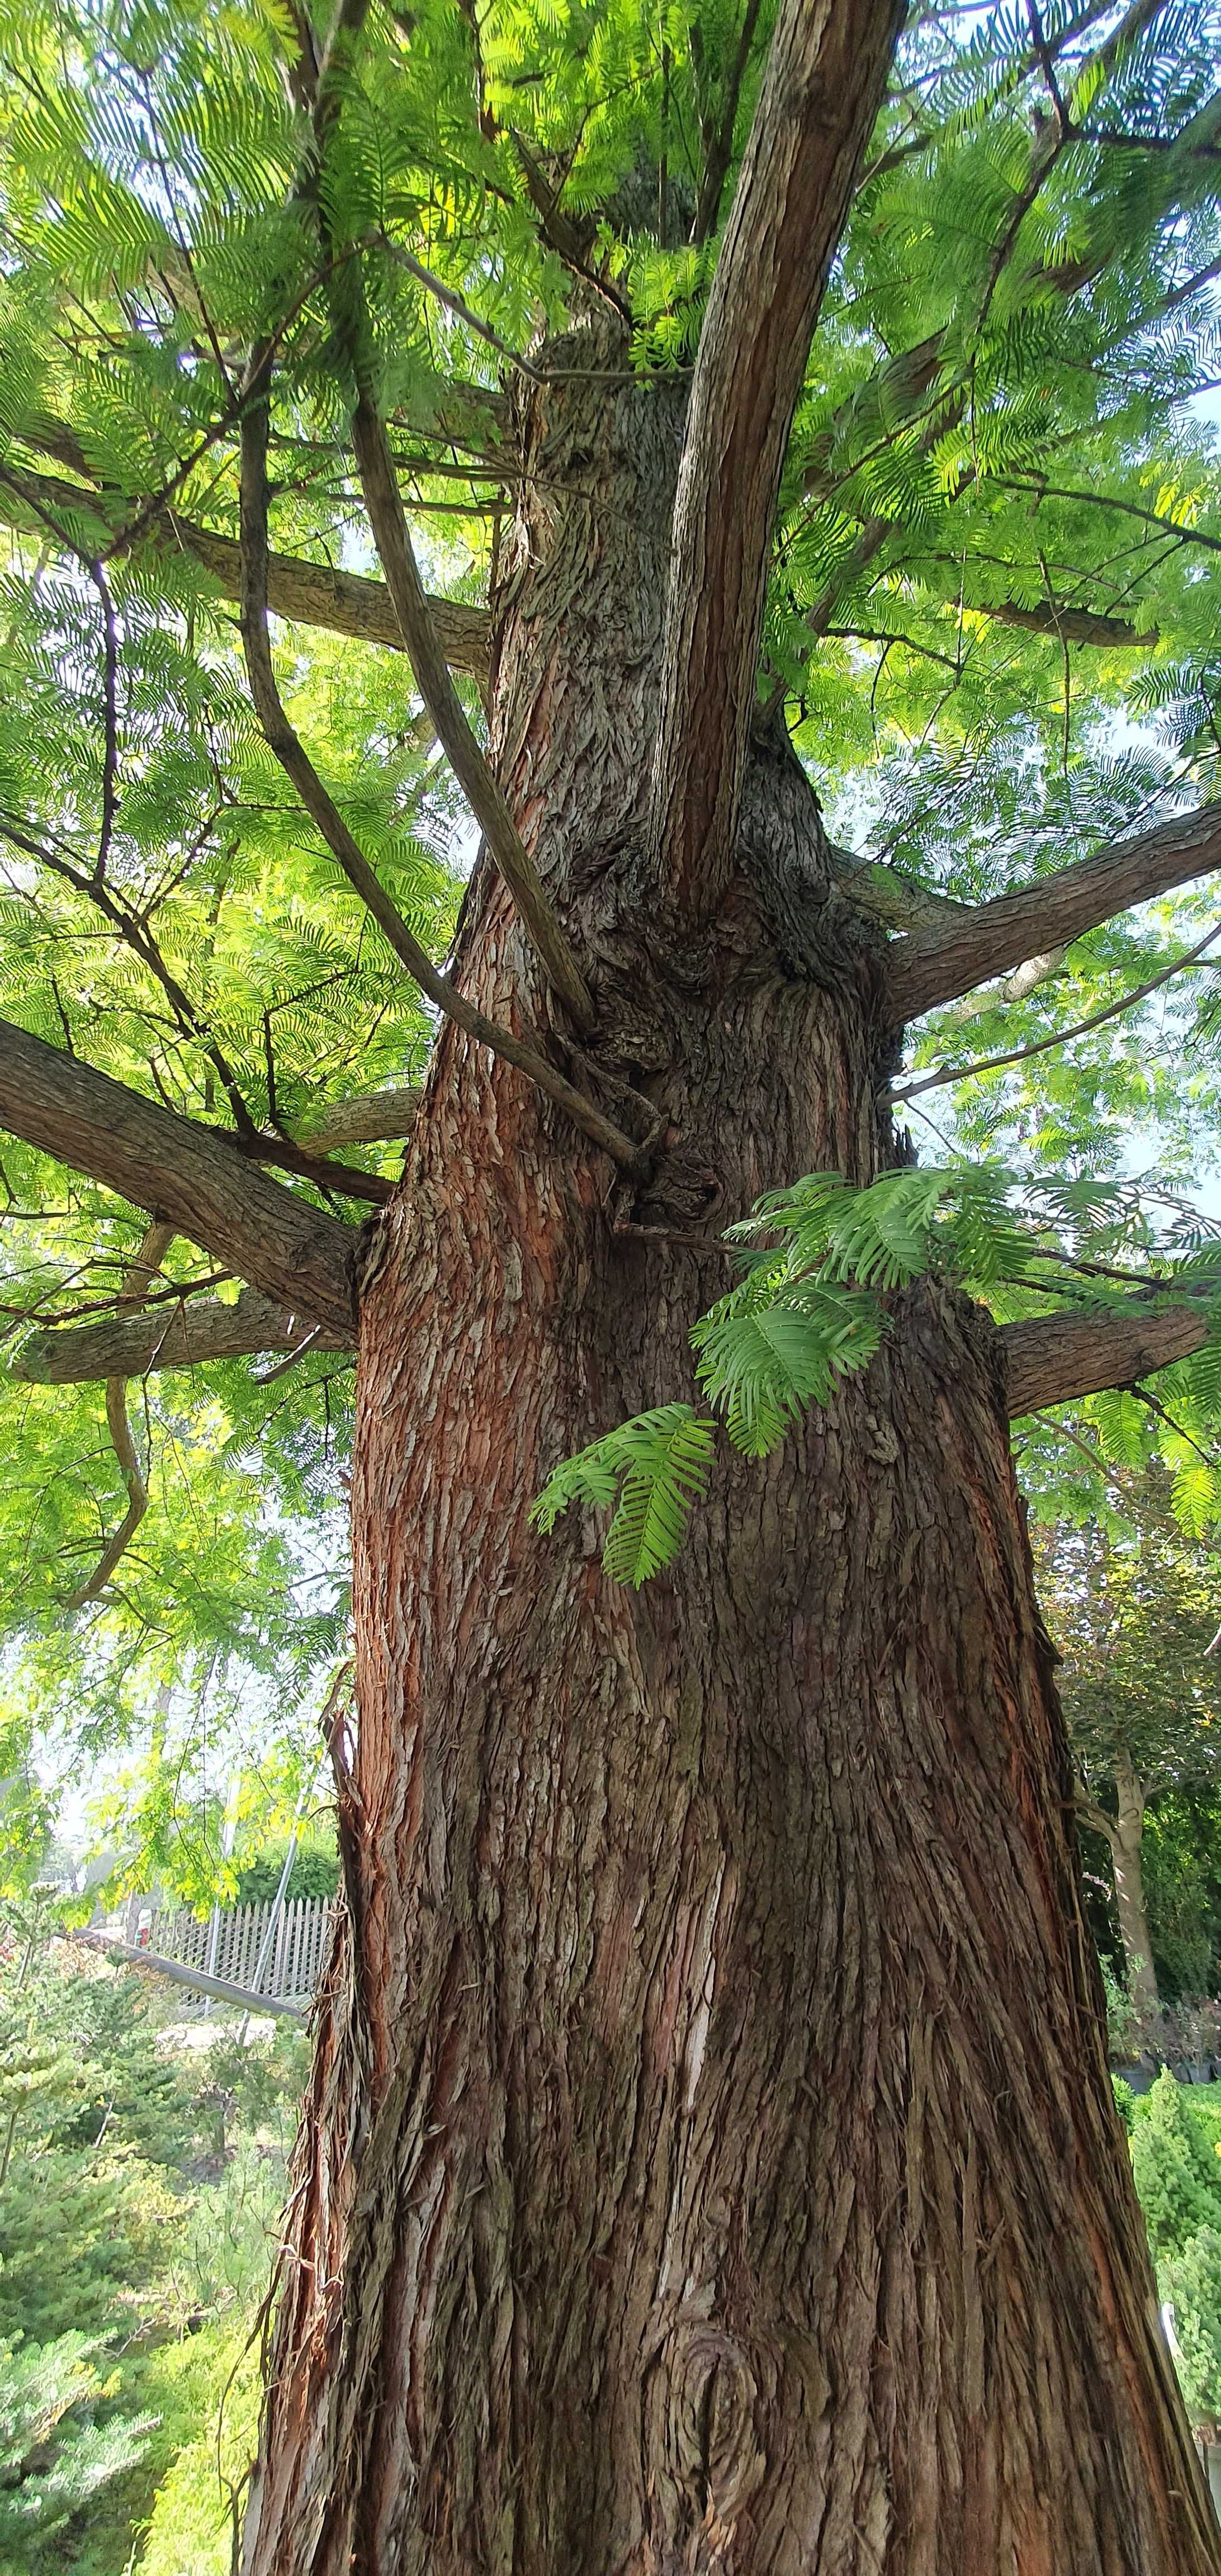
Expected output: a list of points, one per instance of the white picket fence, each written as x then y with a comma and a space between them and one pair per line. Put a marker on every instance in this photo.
228, 1944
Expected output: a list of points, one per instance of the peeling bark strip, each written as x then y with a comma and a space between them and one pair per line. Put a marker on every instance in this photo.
177, 1170
821, 92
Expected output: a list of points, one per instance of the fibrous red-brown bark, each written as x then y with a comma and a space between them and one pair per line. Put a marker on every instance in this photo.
710, 2158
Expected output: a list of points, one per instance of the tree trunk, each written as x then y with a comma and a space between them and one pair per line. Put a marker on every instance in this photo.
710, 2158
1126, 1841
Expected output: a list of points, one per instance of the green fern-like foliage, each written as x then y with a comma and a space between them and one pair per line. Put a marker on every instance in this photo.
651, 1470
809, 1313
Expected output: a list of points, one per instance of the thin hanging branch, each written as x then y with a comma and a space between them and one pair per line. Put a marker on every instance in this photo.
387, 519
384, 504
136, 1282
1064, 1431
946, 1073
319, 804
482, 790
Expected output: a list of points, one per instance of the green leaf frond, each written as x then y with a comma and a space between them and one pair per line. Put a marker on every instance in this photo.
652, 1470
821, 1256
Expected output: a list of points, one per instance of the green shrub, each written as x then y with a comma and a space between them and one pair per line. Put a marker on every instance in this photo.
61, 2442
132, 2264
1125, 2102
229, 2233
1122, 2016
191, 2530
1191, 2282
84, 2247
1178, 2177
315, 1872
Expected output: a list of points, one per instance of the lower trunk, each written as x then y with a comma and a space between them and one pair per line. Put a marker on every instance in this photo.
1126, 1844
711, 2158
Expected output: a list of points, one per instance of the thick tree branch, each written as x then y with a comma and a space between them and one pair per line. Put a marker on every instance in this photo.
199, 1328
306, 594
1069, 625
1026, 978
820, 94
371, 1118
889, 896
938, 965
129, 1460
570, 239
182, 1171
1053, 1359
1093, 1815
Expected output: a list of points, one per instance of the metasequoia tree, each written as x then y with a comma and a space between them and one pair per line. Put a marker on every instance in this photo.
1135, 1625
709, 2156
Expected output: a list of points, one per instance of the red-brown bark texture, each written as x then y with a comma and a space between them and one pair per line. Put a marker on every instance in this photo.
710, 2159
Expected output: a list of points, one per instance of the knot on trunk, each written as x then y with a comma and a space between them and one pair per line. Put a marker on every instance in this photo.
710, 2462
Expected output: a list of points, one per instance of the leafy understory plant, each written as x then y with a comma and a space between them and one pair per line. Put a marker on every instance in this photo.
819, 1257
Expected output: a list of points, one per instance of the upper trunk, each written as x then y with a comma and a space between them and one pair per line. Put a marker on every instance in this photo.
712, 2159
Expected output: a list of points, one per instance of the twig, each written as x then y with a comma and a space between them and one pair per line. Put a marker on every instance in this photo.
456, 304
1143, 1396
110, 756
281, 1152
290, 1359
136, 1283
1063, 1432
1058, 1037
1109, 501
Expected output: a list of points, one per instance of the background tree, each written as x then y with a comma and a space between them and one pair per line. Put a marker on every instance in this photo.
710, 2156
1134, 1614
134, 2253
